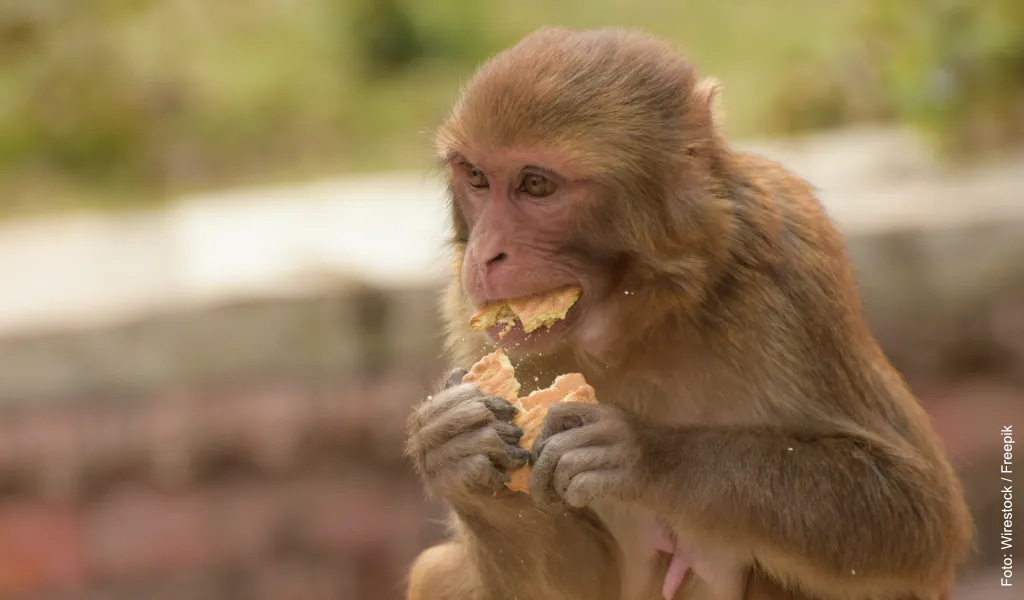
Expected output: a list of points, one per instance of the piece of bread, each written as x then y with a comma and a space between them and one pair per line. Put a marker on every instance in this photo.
494, 375
534, 312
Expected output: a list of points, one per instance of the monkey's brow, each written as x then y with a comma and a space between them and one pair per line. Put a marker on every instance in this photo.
542, 170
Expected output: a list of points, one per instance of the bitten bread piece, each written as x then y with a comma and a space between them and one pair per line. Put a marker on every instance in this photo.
533, 312
494, 375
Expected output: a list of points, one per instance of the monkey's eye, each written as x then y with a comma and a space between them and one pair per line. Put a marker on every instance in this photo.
537, 186
476, 177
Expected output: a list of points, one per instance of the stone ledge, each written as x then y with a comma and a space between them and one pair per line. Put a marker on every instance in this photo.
339, 334
341, 277
938, 299
946, 300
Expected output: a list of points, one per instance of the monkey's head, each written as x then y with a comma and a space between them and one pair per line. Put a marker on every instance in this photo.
586, 159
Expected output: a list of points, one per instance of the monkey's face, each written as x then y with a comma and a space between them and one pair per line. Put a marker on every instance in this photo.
582, 159
520, 212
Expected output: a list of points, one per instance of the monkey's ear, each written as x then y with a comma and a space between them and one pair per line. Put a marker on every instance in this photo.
704, 115
707, 93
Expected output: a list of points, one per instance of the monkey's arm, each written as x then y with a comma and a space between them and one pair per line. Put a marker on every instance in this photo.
831, 506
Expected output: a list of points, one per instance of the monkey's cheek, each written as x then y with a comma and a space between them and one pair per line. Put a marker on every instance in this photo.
597, 330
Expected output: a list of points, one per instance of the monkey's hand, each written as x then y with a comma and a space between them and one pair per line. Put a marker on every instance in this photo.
585, 452
461, 441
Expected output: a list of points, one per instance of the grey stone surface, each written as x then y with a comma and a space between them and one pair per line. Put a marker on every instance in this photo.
342, 276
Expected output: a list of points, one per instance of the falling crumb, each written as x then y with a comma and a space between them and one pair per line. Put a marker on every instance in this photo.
853, 571
535, 378
790, 449
430, 397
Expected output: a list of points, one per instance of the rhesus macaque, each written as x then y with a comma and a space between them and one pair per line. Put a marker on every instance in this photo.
751, 439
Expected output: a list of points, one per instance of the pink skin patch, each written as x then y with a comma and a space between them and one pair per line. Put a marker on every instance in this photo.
665, 541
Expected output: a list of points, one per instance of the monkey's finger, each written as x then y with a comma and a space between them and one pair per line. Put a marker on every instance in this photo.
510, 434
460, 420
455, 377
515, 458
592, 485
545, 464
508, 458
477, 472
577, 462
542, 488
501, 407
561, 418
594, 445
484, 441
548, 431
444, 401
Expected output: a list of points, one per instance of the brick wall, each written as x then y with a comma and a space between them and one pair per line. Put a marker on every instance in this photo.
270, 490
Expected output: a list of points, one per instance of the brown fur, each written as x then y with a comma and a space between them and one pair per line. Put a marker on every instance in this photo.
723, 334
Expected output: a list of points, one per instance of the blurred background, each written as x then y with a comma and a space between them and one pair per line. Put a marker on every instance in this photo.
220, 248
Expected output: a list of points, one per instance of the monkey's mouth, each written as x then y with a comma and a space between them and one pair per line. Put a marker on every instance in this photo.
542, 324
515, 337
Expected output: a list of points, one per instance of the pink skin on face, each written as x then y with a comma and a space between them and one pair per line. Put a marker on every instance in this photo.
518, 209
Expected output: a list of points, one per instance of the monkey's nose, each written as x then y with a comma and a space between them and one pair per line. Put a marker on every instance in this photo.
497, 259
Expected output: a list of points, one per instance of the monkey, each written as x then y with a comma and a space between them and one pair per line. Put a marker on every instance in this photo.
751, 438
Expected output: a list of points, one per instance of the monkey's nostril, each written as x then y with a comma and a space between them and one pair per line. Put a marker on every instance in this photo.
500, 257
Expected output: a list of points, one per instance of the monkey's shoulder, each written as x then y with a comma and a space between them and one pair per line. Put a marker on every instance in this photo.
778, 189
788, 219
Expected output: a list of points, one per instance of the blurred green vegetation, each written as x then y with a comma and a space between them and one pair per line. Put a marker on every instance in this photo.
112, 103
953, 69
